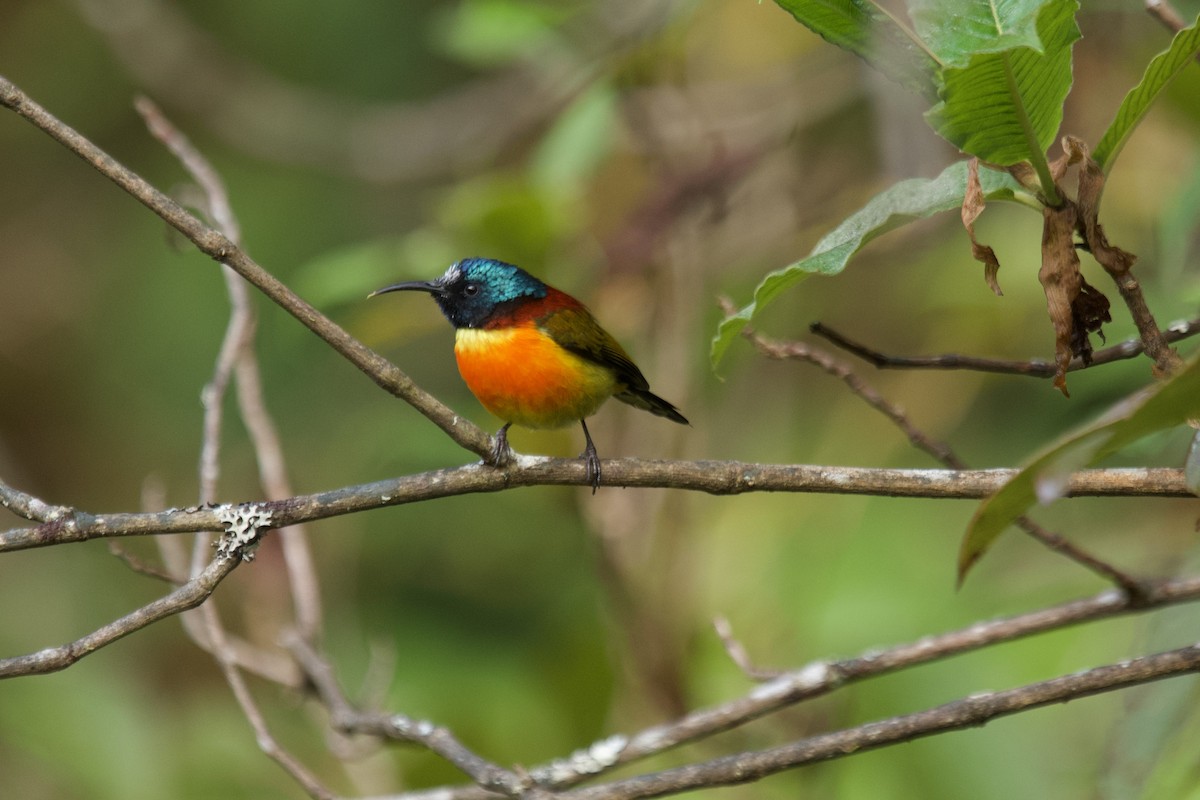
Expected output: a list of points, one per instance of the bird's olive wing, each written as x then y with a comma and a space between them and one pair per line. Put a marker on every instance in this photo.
576, 330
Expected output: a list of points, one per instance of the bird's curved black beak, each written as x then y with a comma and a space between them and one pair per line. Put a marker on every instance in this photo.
433, 287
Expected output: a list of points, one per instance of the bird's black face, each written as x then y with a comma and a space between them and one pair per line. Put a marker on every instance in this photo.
471, 290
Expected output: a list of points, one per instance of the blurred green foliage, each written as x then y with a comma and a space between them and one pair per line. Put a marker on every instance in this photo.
685, 151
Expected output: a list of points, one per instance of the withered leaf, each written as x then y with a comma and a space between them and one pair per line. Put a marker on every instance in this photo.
972, 206
1074, 151
1061, 282
1091, 185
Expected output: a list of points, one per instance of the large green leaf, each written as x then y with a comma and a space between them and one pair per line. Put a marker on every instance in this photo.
1005, 105
865, 29
904, 202
1161, 70
1167, 404
955, 30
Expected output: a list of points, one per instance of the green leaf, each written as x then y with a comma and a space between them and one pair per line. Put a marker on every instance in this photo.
955, 30
1161, 70
904, 202
1167, 404
1005, 105
864, 29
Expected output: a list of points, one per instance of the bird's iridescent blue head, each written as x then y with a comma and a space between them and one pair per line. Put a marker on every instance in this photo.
475, 289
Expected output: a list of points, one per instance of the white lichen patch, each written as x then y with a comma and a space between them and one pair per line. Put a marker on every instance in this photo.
588, 761
243, 524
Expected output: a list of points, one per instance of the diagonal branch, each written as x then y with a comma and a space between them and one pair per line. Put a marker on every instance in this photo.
188, 596
220, 248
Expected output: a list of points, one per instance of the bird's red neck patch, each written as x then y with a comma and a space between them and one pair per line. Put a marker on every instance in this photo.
530, 309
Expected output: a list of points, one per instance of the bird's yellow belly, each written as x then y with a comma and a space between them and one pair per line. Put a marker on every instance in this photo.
522, 376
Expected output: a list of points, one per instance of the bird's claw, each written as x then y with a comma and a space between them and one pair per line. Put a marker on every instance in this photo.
593, 469
591, 458
502, 454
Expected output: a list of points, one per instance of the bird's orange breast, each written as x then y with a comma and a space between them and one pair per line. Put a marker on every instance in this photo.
519, 374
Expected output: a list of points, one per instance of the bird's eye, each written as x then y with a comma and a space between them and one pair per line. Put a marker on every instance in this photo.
471, 289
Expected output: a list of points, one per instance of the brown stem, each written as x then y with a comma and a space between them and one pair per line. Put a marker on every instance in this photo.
1034, 368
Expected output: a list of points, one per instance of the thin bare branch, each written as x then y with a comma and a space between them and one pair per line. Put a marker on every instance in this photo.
738, 654
142, 567
1036, 368
188, 596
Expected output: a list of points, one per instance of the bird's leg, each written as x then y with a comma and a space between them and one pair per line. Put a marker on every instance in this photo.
593, 459
502, 454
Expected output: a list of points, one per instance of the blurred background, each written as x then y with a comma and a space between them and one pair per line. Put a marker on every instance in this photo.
647, 157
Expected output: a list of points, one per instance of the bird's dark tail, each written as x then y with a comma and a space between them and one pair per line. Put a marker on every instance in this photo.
648, 401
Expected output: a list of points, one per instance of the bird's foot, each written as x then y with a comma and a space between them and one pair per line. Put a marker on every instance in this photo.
502, 454
592, 458
593, 468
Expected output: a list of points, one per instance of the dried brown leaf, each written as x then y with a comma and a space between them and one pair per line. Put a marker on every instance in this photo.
1061, 282
1091, 185
972, 206
1074, 151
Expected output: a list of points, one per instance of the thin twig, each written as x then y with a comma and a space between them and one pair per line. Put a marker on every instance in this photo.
1036, 368
142, 567
738, 654
188, 596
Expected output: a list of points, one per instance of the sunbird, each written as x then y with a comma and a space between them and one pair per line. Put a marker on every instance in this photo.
533, 355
